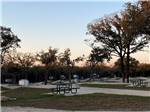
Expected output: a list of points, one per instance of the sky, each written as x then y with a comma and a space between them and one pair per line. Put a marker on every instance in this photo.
61, 24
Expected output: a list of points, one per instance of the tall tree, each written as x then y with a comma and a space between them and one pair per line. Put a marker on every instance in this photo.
66, 61
125, 33
64, 58
8, 41
108, 35
96, 57
136, 23
48, 58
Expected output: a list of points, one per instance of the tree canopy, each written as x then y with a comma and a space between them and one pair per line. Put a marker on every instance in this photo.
98, 55
8, 41
48, 57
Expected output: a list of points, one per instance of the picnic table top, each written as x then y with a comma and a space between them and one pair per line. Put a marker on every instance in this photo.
64, 83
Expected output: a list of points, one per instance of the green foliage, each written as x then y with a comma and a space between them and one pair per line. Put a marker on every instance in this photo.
64, 58
98, 55
49, 57
136, 23
11, 68
8, 41
133, 63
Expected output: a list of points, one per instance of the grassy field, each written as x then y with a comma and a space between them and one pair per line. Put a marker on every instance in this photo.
115, 86
29, 97
4, 89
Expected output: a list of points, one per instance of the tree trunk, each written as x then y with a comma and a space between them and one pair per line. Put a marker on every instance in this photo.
2, 58
36, 76
26, 74
69, 69
128, 64
122, 69
46, 77
92, 71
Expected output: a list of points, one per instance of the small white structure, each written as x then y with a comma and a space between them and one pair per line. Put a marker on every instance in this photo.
75, 85
23, 82
75, 78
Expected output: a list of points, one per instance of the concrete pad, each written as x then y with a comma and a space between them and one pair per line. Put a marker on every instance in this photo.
90, 90
31, 109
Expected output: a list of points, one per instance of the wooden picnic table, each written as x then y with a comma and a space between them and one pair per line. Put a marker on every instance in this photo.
139, 82
65, 87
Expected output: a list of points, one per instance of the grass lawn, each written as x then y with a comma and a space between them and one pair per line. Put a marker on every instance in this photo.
115, 86
30, 97
4, 88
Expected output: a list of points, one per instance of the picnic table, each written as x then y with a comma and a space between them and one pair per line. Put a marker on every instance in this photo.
65, 87
139, 82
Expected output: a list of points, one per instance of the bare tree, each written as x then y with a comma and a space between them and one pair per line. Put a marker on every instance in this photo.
25, 60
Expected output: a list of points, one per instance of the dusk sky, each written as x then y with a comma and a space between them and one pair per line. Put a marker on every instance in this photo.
57, 24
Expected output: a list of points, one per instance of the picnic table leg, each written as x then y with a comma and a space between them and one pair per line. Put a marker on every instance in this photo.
137, 83
58, 89
64, 91
74, 92
133, 83
141, 83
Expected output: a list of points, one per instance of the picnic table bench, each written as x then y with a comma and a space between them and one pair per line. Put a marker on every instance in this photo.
63, 88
